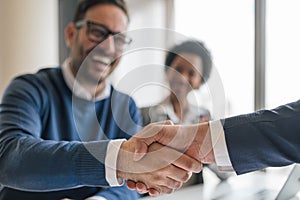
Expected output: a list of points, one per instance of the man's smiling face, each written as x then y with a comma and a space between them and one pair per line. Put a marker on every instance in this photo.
94, 60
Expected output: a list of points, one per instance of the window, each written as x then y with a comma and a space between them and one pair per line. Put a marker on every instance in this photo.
282, 52
227, 29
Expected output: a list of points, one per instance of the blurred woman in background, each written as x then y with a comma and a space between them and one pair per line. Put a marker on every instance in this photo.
188, 66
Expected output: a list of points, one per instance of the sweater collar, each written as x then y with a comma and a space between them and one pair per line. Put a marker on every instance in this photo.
77, 89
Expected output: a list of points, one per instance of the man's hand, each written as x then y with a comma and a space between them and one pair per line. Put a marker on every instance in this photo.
161, 170
193, 140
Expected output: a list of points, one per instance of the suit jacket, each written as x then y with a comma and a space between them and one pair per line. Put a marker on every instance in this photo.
267, 138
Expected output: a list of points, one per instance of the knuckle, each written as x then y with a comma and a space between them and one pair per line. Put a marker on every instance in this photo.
171, 184
158, 180
194, 166
177, 185
168, 190
186, 177
190, 165
154, 192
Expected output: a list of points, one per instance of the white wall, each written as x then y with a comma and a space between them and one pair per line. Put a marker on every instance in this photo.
28, 37
1, 43
139, 64
29, 41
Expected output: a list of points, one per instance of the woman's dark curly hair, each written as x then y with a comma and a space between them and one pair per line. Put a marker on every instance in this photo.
194, 47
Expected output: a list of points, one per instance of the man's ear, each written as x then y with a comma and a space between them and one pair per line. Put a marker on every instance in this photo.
70, 32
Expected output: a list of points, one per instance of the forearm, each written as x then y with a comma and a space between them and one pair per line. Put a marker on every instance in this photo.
264, 139
32, 164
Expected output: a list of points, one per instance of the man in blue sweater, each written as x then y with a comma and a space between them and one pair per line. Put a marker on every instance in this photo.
62, 129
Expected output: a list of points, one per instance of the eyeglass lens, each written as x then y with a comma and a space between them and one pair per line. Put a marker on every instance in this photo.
97, 33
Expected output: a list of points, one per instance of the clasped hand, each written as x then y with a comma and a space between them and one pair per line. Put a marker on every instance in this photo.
161, 157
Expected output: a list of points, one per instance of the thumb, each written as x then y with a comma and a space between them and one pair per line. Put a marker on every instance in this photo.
141, 146
167, 122
141, 149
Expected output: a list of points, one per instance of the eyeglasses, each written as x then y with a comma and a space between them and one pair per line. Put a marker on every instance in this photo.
98, 33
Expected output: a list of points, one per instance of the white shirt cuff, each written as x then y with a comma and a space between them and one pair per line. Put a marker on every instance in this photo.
111, 162
219, 146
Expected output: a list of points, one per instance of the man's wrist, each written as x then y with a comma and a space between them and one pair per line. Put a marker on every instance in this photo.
219, 146
205, 143
113, 150
123, 166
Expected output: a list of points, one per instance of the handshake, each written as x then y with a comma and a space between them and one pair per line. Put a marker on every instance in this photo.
161, 157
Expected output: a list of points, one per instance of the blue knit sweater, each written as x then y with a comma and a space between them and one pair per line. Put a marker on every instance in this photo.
53, 144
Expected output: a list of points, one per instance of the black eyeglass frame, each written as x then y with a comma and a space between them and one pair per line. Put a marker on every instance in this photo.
126, 40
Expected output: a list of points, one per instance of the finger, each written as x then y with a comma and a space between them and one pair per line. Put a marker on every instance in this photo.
141, 149
169, 183
190, 175
153, 192
165, 190
188, 163
177, 174
166, 122
175, 184
141, 188
141, 145
131, 185
166, 156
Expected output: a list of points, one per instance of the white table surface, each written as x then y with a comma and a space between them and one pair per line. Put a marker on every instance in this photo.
236, 187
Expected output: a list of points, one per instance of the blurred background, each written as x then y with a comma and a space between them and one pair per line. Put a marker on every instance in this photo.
255, 45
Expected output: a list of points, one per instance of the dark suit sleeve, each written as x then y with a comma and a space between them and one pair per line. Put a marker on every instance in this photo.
267, 138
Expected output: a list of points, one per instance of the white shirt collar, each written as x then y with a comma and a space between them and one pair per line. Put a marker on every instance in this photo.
169, 109
77, 89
